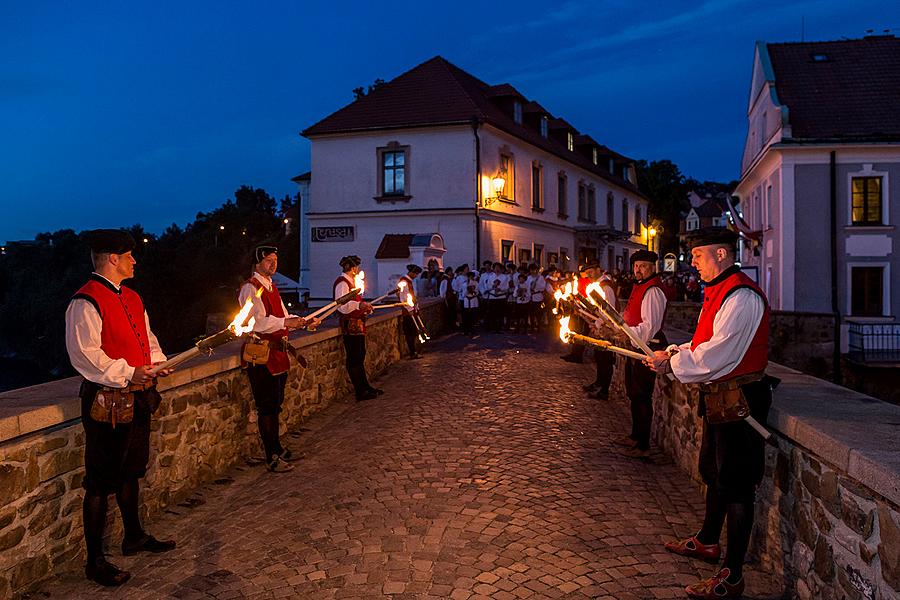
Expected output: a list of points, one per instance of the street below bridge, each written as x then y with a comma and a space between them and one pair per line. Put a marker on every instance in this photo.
483, 472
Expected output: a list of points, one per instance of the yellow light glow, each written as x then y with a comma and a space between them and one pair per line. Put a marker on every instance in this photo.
652, 231
564, 331
497, 185
237, 325
359, 282
595, 287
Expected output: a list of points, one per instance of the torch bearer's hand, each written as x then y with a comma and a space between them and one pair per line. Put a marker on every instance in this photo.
142, 375
294, 322
162, 372
312, 324
366, 307
659, 362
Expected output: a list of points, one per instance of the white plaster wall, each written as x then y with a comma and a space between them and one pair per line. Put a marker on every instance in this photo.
458, 231
440, 169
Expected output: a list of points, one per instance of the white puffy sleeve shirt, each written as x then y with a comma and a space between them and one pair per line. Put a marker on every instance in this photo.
653, 309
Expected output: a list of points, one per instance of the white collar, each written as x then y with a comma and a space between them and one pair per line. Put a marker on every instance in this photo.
265, 281
118, 287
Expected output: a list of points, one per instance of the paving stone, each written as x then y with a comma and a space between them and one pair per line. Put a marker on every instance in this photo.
483, 472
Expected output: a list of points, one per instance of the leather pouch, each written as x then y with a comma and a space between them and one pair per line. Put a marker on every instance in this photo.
726, 406
256, 352
355, 327
113, 406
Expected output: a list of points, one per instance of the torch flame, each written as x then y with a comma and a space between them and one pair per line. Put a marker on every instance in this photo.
237, 325
401, 285
564, 330
595, 287
409, 300
359, 282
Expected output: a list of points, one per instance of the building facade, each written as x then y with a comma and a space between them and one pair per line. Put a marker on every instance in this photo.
819, 178
493, 175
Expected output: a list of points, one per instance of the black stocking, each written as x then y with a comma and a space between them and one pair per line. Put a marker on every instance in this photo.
713, 519
94, 508
740, 526
128, 498
268, 431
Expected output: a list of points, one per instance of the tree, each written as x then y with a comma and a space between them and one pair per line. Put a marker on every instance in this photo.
666, 187
360, 92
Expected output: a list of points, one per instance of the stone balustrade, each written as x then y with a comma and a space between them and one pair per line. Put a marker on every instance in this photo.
206, 424
827, 519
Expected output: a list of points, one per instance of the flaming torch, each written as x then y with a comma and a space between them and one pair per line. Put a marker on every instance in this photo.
568, 336
235, 329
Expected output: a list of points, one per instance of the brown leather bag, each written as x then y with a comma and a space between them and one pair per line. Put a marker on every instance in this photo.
256, 351
725, 401
113, 406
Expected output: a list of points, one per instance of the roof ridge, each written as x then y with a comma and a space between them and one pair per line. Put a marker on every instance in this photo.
452, 71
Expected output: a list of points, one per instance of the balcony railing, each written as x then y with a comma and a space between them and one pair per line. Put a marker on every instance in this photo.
874, 342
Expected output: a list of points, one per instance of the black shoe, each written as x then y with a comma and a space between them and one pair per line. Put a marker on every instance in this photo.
148, 543
277, 465
377, 391
288, 456
367, 395
105, 573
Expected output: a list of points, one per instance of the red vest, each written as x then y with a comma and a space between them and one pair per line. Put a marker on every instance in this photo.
632, 314
757, 356
124, 332
357, 317
278, 359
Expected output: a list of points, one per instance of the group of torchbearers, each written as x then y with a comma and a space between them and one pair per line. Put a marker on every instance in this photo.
110, 343
725, 361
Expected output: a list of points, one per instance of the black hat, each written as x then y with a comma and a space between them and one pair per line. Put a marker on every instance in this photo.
710, 236
644, 256
591, 264
108, 241
350, 261
261, 252
413, 269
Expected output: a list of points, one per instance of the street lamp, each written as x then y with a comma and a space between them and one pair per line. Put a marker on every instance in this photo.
651, 233
498, 183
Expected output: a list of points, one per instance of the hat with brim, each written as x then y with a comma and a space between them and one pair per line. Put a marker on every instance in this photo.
350, 261
413, 269
261, 252
108, 241
713, 236
645, 256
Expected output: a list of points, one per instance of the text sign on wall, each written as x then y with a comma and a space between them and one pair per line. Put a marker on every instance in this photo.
333, 234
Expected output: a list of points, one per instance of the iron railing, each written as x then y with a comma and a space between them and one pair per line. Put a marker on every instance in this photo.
874, 342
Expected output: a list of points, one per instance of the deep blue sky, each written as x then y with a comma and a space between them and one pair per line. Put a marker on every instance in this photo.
118, 113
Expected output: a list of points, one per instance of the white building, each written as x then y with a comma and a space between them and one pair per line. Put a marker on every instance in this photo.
819, 181
420, 156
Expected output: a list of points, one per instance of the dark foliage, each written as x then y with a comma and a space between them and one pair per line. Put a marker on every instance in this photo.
182, 275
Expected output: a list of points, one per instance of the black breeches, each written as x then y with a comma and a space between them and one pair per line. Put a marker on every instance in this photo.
606, 362
410, 333
639, 381
355, 347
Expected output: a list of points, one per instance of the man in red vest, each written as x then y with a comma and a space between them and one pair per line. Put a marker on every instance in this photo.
729, 351
410, 313
267, 381
110, 344
645, 314
353, 327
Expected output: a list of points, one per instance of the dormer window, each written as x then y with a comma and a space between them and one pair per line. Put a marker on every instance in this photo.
545, 126
612, 167
594, 150
517, 112
570, 141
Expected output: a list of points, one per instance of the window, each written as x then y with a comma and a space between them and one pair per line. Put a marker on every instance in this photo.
594, 154
552, 259
517, 112
867, 291
539, 254
562, 195
625, 215
692, 223
866, 208
570, 141
506, 251
638, 221
612, 167
545, 126
537, 187
609, 209
768, 218
393, 160
564, 258
524, 255
508, 168
592, 204
582, 202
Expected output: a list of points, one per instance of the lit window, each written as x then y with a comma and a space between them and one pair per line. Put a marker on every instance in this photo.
545, 125
394, 173
517, 112
595, 155
570, 141
508, 169
866, 200
506, 251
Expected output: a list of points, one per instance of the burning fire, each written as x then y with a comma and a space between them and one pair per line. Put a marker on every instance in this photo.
236, 326
359, 282
595, 287
401, 285
409, 301
564, 331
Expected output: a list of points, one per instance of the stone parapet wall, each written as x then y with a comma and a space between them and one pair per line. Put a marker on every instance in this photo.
827, 519
205, 425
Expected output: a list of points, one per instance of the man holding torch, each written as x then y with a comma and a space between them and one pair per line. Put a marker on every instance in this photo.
407, 297
353, 326
727, 358
268, 371
110, 344
644, 315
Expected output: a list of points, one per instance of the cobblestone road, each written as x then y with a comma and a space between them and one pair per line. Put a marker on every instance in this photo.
484, 472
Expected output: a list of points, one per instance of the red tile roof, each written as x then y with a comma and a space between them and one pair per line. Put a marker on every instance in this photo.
437, 93
394, 245
845, 90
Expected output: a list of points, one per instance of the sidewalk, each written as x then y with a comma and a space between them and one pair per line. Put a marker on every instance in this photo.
483, 472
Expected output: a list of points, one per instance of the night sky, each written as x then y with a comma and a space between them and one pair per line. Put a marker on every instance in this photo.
149, 112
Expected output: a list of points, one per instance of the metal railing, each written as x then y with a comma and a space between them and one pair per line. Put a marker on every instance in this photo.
874, 342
